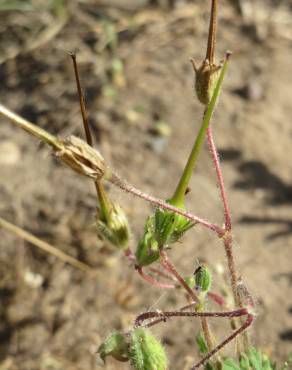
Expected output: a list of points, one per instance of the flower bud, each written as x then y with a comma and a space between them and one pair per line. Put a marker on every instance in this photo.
114, 227
203, 278
169, 227
82, 158
206, 79
147, 250
116, 346
146, 352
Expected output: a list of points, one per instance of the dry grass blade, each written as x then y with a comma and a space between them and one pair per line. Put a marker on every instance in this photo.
45, 246
31, 128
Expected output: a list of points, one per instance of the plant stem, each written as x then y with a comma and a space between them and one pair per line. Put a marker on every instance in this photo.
114, 178
227, 238
216, 298
81, 101
153, 281
220, 181
124, 185
105, 204
232, 336
131, 257
166, 263
207, 333
179, 194
161, 273
162, 316
227, 241
168, 314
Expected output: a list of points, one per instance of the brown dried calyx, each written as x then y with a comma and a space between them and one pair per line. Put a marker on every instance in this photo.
82, 158
206, 79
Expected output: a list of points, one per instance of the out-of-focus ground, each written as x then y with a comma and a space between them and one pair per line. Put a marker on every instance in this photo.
134, 61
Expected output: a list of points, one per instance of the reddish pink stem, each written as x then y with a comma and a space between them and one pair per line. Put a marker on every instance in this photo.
166, 263
161, 273
169, 314
124, 185
153, 281
216, 162
227, 238
216, 298
131, 257
163, 316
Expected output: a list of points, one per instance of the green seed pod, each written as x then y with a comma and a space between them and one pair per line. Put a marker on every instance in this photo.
114, 227
147, 250
206, 79
169, 227
116, 346
203, 278
146, 352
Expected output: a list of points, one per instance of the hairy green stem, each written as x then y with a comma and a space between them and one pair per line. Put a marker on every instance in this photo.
179, 194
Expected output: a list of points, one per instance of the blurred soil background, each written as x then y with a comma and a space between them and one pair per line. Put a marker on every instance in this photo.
134, 63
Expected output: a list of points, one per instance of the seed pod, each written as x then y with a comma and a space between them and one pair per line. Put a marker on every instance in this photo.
203, 278
206, 79
169, 227
116, 346
82, 158
147, 250
115, 227
146, 352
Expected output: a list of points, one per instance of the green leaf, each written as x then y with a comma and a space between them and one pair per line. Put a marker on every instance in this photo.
251, 360
255, 360
244, 363
230, 364
203, 348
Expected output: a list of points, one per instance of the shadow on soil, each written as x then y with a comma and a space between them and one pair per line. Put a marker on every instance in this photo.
256, 175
